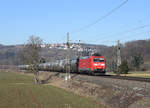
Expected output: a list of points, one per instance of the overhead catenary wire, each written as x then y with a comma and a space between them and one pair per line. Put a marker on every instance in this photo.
122, 39
115, 35
129, 36
101, 18
134, 29
103, 38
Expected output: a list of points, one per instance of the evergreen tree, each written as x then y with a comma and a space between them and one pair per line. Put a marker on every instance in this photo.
137, 61
123, 68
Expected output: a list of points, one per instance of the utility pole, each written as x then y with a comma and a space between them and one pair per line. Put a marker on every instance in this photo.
79, 48
68, 59
118, 58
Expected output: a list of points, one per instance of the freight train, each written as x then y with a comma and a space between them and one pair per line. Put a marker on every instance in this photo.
89, 64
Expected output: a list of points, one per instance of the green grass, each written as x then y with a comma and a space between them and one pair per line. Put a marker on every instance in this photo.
18, 91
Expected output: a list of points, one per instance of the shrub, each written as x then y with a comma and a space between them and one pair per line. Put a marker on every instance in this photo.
123, 68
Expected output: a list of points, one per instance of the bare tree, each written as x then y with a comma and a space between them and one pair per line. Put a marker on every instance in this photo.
32, 56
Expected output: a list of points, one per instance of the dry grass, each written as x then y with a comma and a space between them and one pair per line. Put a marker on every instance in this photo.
137, 75
145, 74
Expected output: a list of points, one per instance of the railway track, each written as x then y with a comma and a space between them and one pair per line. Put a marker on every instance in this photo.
109, 80
95, 79
110, 76
127, 78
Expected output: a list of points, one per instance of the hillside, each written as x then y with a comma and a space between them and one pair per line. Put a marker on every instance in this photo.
11, 54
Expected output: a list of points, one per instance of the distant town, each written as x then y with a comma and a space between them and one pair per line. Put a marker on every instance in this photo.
63, 46
73, 46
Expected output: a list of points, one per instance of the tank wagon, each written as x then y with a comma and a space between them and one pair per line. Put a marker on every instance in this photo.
88, 64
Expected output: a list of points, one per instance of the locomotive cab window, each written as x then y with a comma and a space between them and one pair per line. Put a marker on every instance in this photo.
98, 59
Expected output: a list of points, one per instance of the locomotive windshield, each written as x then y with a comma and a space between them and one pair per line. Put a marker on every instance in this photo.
98, 59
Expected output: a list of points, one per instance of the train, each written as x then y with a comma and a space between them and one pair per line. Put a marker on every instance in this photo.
87, 64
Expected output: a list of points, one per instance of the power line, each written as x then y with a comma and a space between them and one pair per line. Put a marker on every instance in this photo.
134, 29
103, 38
127, 37
102, 18
121, 38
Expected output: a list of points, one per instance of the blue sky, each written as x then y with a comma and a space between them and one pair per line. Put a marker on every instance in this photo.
52, 19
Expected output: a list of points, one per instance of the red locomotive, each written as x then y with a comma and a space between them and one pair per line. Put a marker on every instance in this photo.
92, 64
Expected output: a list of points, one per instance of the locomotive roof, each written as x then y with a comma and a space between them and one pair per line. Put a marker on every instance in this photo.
86, 57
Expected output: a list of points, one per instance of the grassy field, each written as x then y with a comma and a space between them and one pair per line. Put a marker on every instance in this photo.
18, 91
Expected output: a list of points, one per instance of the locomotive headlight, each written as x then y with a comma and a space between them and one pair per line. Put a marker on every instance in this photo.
102, 64
95, 64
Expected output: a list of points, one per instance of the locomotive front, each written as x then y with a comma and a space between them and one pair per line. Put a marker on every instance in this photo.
98, 64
